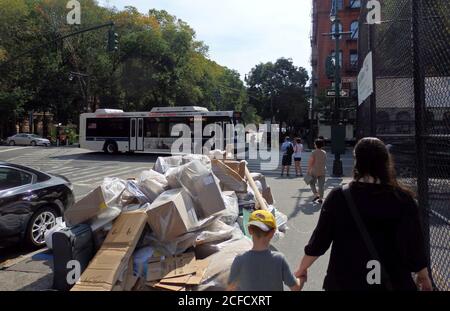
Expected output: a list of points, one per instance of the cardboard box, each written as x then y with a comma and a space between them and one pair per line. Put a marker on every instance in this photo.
86, 208
267, 195
237, 166
162, 164
172, 214
168, 267
114, 256
229, 179
261, 178
201, 185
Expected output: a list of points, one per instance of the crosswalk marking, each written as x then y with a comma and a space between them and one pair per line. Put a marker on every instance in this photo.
104, 173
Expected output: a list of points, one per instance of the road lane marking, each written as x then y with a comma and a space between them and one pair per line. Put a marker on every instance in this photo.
12, 149
108, 174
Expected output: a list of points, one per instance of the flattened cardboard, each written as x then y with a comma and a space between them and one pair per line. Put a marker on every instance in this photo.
126, 230
202, 266
174, 266
88, 207
114, 256
230, 179
176, 280
172, 214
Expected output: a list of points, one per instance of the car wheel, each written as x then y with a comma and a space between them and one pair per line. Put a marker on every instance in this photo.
111, 147
33, 143
12, 143
41, 221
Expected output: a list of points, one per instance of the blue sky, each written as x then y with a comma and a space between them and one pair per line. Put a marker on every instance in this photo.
242, 33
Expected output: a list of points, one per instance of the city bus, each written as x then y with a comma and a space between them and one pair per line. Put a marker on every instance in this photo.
114, 131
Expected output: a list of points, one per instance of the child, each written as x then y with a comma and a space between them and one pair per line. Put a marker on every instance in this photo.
260, 269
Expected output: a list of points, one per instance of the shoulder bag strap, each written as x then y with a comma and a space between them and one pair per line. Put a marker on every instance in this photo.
365, 235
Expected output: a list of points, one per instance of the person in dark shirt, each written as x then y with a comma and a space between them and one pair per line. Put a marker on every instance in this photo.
391, 217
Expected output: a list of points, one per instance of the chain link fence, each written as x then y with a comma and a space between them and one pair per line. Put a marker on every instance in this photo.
410, 108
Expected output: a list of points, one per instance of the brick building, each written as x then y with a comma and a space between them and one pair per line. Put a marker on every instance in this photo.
324, 46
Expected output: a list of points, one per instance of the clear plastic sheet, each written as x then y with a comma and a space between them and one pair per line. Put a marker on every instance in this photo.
152, 184
231, 213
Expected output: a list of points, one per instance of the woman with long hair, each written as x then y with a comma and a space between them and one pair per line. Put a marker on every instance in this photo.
374, 227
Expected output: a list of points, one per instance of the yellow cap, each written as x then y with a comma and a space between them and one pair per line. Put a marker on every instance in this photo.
263, 220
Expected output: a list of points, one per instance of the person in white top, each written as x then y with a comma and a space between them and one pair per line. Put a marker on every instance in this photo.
298, 149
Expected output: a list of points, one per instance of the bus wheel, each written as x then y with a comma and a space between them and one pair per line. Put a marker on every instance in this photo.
110, 147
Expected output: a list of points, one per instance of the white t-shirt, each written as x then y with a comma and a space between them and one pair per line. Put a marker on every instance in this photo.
298, 148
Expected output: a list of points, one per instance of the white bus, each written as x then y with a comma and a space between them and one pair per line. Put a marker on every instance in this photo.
114, 131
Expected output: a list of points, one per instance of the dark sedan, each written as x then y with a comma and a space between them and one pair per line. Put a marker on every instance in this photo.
30, 202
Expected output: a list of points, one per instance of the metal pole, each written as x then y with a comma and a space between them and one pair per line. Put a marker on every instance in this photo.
373, 107
420, 127
337, 163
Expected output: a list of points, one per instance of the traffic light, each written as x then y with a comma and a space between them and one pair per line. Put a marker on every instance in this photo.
113, 40
330, 67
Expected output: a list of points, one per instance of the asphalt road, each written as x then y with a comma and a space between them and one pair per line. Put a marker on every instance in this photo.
87, 169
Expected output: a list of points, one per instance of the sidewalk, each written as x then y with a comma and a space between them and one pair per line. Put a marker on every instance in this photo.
293, 197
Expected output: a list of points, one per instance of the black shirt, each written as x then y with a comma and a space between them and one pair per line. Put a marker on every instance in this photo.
392, 219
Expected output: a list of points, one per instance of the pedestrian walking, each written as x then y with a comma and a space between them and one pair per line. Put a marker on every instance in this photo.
261, 269
287, 149
317, 170
298, 149
374, 227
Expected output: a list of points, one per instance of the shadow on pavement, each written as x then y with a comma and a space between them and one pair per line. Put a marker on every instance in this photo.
122, 157
310, 208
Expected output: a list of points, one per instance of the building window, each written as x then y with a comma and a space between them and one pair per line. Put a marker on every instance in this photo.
353, 59
333, 30
340, 4
355, 4
354, 30
340, 57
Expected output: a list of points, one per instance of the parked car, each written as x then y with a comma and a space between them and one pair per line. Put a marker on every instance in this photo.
30, 202
27, 139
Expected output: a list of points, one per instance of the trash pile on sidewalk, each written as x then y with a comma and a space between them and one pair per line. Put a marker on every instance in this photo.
175, 227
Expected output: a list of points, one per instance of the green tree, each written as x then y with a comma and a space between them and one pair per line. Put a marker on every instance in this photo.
277, 91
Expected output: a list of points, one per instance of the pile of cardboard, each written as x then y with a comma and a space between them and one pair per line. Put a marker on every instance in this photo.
175, 227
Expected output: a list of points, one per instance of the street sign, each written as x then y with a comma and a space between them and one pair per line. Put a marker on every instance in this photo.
348, 79
365, 79
343, 93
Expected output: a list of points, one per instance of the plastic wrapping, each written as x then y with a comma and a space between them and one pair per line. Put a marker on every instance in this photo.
217, 154
171, 215
200, 183
229, 179
112, 190
133, 195
205, 160
216, 276
162, 164
280, 218
60, 224
261, 178
259, 186
172, 175
231, 213
218, 231
140, 260
152, 184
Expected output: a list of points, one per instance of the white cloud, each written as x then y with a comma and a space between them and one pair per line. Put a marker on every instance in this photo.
242, 33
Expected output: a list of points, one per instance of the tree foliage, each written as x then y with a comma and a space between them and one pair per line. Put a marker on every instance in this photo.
159, 63
277, 90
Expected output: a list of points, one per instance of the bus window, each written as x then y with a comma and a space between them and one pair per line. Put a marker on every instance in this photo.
114, 127
133, 128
